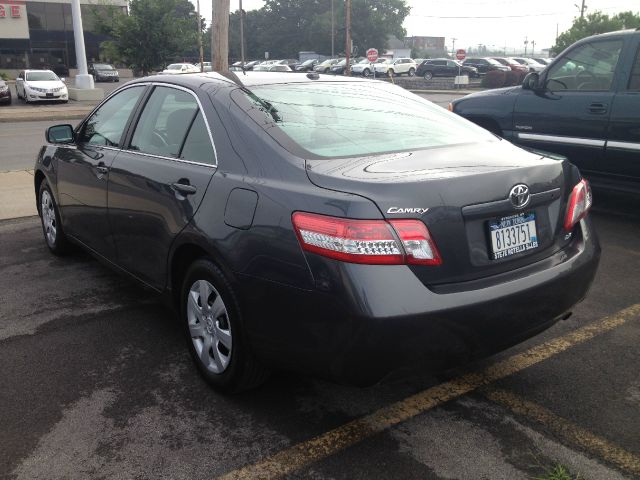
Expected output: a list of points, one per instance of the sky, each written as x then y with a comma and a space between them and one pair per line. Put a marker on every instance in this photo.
498, 24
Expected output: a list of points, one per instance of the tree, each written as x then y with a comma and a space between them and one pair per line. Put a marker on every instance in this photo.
154, 33
285, 27
594, 23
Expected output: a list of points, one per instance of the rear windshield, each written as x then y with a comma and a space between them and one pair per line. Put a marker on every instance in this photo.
353, 119
102, 66
41, 76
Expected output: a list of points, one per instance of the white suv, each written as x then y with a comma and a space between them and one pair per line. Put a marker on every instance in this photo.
398, 66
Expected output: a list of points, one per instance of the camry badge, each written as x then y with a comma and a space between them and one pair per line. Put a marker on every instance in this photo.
420, 211
520, 196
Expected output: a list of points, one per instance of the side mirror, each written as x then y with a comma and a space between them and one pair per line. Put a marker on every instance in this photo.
531, 81
60, 134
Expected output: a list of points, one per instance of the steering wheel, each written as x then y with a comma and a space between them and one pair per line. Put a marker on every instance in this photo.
584, 77
159, 139
564, 85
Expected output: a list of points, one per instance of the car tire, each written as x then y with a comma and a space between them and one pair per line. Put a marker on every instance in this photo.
54, 235
428, 75
214, 334
391, 73
412, 72
366, 72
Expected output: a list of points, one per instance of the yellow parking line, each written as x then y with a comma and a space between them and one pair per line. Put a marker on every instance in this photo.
331, 442
566, 430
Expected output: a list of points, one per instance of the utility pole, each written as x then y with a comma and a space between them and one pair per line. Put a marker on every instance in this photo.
347, 67
526, 42
453, 47
83, 79
220, 35
333, 31
241, 36
533, 47
200, 49
582, 9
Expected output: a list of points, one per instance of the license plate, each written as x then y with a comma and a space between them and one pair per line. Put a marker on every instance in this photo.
49, 95
513, 234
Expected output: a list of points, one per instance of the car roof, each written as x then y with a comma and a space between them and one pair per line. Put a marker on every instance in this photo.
248, 79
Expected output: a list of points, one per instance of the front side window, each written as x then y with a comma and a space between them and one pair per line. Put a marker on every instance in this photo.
107, 124
588, 67
164, 122
337, 120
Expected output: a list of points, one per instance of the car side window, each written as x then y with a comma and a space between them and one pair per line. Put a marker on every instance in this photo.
197, 146
164, 122
588, 67
106, 125
634, 81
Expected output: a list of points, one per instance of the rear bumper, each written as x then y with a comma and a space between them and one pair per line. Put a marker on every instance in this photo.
365, 322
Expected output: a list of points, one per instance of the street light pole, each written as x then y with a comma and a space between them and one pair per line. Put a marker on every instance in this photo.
333, 30
453, 47
241, 36
220, 35
200, 49
347, 67
83, 79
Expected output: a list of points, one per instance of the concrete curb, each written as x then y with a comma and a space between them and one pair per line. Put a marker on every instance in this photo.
44, 113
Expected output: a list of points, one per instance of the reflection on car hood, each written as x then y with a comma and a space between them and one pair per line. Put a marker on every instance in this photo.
495, 91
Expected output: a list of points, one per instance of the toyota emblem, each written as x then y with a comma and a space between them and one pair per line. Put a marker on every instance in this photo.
520, 196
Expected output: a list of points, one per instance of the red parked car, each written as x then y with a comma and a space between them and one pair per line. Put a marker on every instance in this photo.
512, 64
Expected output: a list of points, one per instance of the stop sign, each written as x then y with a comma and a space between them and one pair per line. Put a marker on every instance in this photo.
372, 55
461, 54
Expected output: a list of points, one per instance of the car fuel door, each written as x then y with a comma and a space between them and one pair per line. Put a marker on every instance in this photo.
569, 113
158, 182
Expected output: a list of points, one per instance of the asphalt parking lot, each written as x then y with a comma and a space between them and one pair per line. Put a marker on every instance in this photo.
97, 383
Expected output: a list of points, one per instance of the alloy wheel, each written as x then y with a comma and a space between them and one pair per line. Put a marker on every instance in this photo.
209, 326
48, 217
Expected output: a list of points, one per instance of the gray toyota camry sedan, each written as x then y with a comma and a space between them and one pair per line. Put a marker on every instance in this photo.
337, 226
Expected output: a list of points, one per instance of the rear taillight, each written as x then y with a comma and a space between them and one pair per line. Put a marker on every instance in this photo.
373, 242
580, 202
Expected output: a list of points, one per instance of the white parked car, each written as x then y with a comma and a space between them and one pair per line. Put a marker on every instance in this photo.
531, 64
364, 67
206, 66
40, 85
177, 68
397, 66
274, 67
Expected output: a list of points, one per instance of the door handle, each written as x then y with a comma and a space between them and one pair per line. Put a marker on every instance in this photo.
598, 108
102, 169
184, 188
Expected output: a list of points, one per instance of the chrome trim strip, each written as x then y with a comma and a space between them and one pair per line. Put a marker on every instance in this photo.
564, 140
624, 145
180, 160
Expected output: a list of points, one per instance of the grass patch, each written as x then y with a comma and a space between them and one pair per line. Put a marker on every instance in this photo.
558, 473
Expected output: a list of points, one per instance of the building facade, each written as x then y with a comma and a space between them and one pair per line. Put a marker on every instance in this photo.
39, 34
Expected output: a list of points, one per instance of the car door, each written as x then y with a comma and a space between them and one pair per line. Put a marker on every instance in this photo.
452, 68
570, 115
83, 170
157, 183
622, 154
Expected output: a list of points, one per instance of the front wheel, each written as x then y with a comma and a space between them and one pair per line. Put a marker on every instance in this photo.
50, 218
366, 72
391, 73
412, 72
213, 326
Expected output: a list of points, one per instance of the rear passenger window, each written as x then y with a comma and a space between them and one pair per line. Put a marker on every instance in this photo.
197, 146
164, 123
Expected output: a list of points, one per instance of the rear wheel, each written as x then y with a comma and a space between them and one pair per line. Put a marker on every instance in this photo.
50, 218
428, 75
366, 72
213, 326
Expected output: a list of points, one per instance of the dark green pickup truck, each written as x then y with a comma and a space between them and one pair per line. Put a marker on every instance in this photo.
585, 106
